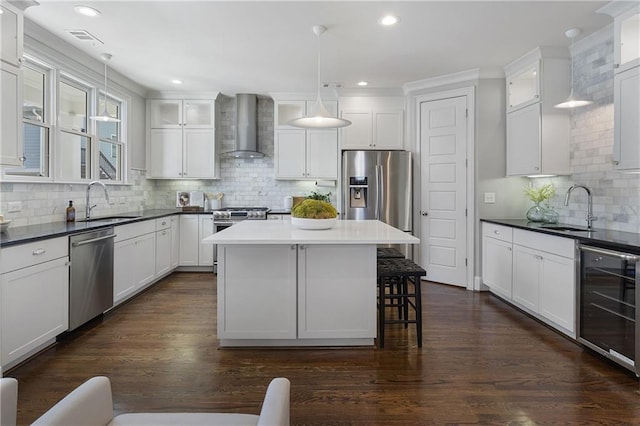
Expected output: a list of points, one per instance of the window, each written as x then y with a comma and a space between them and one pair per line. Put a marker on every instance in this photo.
74, 142
110, 141
36, 121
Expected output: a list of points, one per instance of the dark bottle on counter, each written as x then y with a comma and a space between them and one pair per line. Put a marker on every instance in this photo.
71, 212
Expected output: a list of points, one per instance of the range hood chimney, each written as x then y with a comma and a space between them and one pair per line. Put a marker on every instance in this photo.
246, 143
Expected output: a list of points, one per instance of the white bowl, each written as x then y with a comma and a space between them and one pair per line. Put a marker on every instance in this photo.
4, 225
304, 223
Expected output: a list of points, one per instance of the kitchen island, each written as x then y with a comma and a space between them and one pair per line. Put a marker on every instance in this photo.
283, 286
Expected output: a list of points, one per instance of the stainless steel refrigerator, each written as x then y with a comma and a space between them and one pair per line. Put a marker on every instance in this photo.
378, 185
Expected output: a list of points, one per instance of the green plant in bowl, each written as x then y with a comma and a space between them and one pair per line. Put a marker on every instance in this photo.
314, 209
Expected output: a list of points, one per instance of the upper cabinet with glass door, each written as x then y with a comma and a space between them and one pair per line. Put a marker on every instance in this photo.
626, 33
170, 113
523, 88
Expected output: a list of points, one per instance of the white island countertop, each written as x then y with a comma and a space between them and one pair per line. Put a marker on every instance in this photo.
283, 232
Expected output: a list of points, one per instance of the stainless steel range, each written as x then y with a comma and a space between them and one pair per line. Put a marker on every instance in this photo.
228, 216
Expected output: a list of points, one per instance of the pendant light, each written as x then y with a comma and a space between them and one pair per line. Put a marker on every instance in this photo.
104, 115
572, 101
320, 119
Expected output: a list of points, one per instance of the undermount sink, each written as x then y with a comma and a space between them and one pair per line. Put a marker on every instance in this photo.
567, 228
119, 218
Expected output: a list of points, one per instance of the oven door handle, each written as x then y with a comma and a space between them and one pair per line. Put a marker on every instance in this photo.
597, 250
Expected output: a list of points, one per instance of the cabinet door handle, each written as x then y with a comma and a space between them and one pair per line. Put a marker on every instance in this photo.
616, 162
536, 168
509, 249
38, 252
496, 232
539, 257
293, 247
302, 247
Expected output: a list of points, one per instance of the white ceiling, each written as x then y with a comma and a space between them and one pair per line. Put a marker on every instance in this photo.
269, 46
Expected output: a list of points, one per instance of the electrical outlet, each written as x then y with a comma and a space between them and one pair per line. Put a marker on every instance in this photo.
489, 197
14, 206
123, 200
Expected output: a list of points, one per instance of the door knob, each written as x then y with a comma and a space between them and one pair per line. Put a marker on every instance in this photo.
423, 213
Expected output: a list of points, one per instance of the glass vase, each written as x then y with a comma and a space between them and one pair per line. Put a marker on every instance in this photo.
535, 213
549, 215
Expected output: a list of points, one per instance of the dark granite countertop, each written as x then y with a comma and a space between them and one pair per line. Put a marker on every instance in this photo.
29, 233
605, 238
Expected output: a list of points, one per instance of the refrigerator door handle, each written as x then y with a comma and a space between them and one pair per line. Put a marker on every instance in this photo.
381, 194
378, 191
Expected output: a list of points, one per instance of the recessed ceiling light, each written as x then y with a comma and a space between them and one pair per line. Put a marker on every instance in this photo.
176, 81
87, 11
363, 83
389, 20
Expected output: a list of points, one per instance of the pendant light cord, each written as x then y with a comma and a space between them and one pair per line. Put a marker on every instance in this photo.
318, 57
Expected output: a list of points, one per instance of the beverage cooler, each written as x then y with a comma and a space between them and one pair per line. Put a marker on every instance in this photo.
608, 299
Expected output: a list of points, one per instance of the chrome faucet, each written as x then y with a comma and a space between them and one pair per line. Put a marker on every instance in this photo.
590, 216
89, 206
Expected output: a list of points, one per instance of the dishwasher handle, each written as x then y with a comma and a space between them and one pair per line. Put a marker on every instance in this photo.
619, 255
93, 240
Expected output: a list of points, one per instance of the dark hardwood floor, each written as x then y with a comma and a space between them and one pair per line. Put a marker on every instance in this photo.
483, 362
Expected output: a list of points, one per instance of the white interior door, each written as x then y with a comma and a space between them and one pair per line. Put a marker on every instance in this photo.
443, 146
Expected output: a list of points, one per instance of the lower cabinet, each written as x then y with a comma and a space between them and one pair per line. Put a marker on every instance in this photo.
34, 299
543, 277
163, 246
193, 228
134, 259
296, 293
497, 247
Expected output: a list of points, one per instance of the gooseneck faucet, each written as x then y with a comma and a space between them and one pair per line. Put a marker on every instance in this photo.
89, 206
590, 217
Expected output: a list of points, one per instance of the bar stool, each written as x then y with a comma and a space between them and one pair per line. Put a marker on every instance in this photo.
388, 253
405, 275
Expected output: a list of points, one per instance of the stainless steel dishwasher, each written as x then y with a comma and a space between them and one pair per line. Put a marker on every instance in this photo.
91, 276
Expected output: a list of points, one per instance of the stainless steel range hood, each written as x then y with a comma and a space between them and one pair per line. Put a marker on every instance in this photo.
246, 143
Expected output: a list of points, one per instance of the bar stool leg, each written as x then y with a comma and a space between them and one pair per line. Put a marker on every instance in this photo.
381, 308
418, 300
405, 301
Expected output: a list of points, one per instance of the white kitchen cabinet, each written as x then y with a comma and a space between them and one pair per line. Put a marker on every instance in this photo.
544, 278
189, 240
291, 291
10, 121
527, 266
193, 228
175, 242
163, 246
497, 258
523, 87
260, 289
34, 297
538, 133
306, 154
134, 259
303, 154
376, 123
182, 139
205, 251
321, 276
626, 101
626, 33
533, 271
12, 34
173, 113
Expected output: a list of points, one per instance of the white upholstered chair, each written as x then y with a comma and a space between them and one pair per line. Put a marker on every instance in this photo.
8, 401
91, 404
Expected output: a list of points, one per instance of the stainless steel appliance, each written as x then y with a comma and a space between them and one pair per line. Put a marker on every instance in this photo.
378, 185
91, 275
608, 298
228, 216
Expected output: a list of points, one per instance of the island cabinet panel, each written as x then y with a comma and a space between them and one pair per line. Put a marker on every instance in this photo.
257, 300
336, 291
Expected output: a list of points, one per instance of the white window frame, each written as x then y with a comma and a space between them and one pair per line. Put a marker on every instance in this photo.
119, 141
45, 173
90, 90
